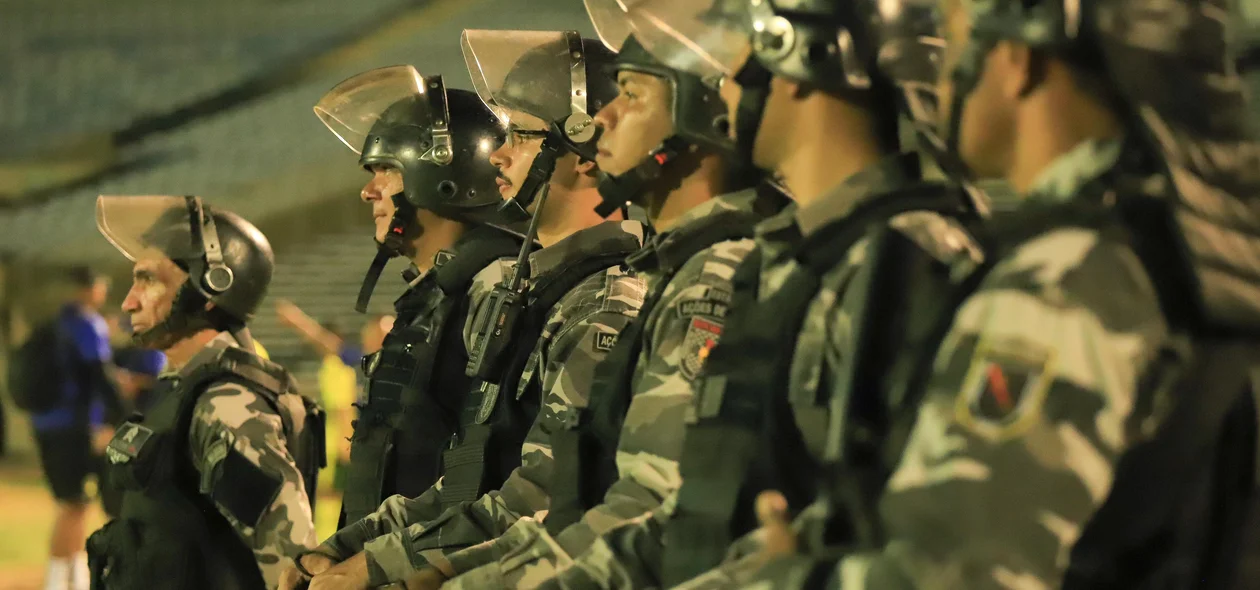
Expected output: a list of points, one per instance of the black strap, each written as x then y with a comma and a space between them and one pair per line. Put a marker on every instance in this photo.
724, 464
1129, 536
585, 450
399, 385
465, 475
481, 246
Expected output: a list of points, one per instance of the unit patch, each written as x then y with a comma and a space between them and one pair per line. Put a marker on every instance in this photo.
604, 341
702, 335
1004, 390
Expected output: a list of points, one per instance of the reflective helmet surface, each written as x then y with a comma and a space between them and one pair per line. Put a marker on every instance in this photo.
439, 139
228, 260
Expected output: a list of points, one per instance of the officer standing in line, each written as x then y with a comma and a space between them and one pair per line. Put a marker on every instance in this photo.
218, 471
1087, 419
827, 124
579, 298
433, 197
664, 144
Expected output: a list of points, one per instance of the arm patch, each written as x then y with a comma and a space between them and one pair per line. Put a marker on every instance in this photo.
244, 489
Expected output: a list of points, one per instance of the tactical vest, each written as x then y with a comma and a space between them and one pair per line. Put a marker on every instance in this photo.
170, 535
493, 427
585, 446
742, 402
416, 382
1182, 501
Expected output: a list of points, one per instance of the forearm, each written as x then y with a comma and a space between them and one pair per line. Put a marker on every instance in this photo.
395, 514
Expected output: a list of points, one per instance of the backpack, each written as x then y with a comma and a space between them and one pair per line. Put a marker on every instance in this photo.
35, 372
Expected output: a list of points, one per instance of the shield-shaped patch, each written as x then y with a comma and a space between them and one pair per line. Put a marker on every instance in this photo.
702, 336
1004, 389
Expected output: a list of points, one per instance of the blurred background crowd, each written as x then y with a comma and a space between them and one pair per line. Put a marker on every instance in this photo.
211, 98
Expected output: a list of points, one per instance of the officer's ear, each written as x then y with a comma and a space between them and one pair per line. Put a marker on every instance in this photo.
586, 167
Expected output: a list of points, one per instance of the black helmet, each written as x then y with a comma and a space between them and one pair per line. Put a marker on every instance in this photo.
699, 116
228, 261
554, 76
438, 138
847, 47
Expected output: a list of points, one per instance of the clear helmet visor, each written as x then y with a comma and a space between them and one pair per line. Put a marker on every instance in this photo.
353, 107
149, 227
708, 38
538, 73
611, 20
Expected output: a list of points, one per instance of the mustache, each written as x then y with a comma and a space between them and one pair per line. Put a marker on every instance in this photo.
504, 177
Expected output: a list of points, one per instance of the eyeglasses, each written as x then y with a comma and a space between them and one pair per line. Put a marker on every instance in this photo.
517, 136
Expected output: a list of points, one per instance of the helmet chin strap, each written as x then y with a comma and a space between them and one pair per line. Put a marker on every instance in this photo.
754, 82
393, 245
631, 186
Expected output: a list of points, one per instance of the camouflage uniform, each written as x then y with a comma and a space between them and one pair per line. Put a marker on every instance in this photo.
1032, 400
229, 415
679, 332
824, 340
407, 534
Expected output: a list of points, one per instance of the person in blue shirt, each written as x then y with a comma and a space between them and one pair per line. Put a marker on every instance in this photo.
71, 436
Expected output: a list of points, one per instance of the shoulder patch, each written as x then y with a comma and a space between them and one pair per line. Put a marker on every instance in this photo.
1004, 389
714, 304
128, 443
605, 341
702, 336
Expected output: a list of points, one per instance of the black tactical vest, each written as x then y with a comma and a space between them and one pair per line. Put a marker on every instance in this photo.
1183, 506
170, 535
493, 426
416, 382
585, 448
745, 439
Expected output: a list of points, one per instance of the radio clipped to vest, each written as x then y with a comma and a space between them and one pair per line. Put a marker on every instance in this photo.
506, 302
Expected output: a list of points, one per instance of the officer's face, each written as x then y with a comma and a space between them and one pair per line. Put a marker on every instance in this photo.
378, 192
155, 280
634, 123
986, 132
514, 156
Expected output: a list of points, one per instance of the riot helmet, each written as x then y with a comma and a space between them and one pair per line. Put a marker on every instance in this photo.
229, 261
438, 139
555, 76
698, 114
848, 48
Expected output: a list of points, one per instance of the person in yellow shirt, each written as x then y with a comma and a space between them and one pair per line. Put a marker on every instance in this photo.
339, 377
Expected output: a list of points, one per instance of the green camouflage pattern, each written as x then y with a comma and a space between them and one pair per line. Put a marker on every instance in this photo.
406, 534
1033, 398
231, 416
651, 437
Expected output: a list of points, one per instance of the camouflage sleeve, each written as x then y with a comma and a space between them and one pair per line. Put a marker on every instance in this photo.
682, 328
237, 444
396, 513
578, 335
1034, 395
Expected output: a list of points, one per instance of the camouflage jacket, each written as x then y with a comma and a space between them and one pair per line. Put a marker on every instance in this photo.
1034, 396
776, 240
229, 415
679, 331
407, 534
